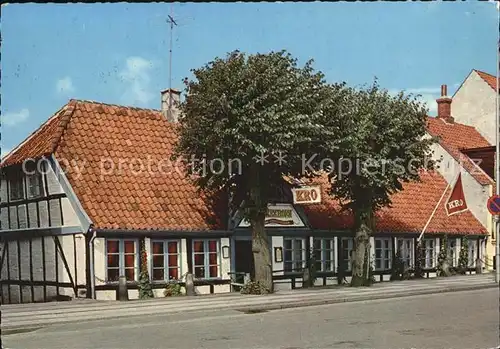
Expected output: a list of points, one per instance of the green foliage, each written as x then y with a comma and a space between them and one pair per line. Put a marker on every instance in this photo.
398, 268
254, 287
419, 261
145, 289
241, 106
383, 137
463, 257
173, 290
443, 259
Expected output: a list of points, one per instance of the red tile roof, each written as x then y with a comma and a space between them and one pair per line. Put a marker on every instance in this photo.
122, 198
454, 137
490, 79
95, 134
411, 208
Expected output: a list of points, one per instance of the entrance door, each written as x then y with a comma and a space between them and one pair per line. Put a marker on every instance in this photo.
244, 257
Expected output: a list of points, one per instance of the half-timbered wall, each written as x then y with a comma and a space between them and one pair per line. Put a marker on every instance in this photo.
51, 209
41, 269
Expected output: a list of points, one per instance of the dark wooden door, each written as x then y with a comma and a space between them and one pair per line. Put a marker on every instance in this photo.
244, 257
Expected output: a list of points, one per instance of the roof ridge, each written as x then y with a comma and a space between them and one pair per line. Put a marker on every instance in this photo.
483, 72
114, 105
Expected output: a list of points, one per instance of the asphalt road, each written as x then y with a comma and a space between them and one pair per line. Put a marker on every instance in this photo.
467, 320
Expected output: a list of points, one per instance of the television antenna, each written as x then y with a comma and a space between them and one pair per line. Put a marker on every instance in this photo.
172, 22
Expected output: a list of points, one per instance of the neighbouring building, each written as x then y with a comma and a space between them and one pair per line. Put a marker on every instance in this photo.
465, 125
97, 184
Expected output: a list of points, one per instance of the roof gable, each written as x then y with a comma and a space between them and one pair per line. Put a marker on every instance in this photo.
454, 137
488, 78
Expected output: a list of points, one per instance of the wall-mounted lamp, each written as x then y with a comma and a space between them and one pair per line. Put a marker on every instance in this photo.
225, 251
278, 254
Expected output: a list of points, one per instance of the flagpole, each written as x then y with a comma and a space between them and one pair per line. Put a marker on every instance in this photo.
433, 213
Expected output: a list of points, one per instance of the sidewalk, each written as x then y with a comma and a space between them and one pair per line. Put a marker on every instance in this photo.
44, 314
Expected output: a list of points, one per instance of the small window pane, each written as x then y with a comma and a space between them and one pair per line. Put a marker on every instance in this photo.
288, 255
173, 274
287, 244
199, 259
158, 274
113, 274
158, 261
212, 246
172, 261
212, 257
129, 246
172, 247
213, 271
157, 247
112, 246
130, 274
199, 272
129, 261
198, 246
113, 261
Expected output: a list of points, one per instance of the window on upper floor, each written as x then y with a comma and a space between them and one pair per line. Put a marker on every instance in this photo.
16, 188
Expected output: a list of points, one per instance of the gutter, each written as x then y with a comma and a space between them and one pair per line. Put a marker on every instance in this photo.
146, 232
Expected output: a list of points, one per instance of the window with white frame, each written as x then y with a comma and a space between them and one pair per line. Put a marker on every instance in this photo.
121, 259
324, 254
430, 253
452, 252
383, 253
472, 253
405, 249
347, 245
206, 258
165, 260
294, 254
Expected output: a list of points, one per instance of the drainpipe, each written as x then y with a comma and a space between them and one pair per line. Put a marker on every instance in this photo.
497, 138
91, 262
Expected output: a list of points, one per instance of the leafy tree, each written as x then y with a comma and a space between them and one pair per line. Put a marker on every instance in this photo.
238, 109
379, 145
443, 258
463, 257
145, 289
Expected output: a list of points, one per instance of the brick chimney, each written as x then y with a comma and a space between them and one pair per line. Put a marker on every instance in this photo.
170, 96
444, 105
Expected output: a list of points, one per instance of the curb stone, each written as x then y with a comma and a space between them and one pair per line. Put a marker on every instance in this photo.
389, 295
15, 329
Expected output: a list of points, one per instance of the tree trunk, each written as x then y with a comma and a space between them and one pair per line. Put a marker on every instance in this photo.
363, 224
262, 254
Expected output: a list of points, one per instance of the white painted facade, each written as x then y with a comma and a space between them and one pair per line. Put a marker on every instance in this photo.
474, 104
475, 193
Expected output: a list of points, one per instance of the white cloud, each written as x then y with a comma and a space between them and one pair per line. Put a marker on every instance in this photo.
65, 86
427, 95
5, 151
136, 76
14, 118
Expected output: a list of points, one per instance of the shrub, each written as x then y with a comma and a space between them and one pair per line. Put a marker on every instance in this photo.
398, 268
253, 287
419, 261
145, 289
443, 262
463, 257
173, 290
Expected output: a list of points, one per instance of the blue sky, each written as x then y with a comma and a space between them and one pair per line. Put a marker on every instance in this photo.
118, 53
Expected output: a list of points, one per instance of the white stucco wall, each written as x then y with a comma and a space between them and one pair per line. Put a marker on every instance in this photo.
474, 105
